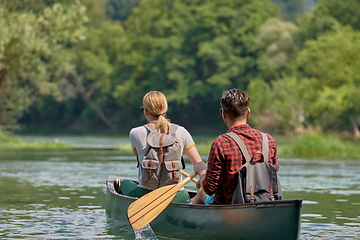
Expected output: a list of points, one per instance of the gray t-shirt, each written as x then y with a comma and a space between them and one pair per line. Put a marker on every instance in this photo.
138, 137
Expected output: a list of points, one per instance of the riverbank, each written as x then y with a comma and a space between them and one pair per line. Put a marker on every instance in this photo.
319, 145
303, 146
13, 142
307, 146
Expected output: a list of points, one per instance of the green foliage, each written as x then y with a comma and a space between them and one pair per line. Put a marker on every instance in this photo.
292, 9
277, 107
204, 147
312, 26
329, 16
31, 54
6, 139
280, 39
318, 145
9, 142
319, 91
91, 77
190, 50
33, 145
299, 77
36, 6
330, 65
346, 12
120, 9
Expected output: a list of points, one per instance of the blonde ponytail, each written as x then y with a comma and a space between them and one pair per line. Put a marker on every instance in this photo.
163, 124
156, 104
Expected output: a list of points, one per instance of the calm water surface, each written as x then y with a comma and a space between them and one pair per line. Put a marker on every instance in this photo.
59, 194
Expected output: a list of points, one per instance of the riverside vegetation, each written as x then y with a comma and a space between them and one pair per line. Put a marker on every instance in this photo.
12, 143
86, 64
303, 146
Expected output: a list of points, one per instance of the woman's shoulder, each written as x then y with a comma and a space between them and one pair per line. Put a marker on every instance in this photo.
179, 128
137, 130
183, 133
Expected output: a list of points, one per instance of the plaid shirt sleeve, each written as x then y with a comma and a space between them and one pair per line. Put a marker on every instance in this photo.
273, 157
214, 167
220, 178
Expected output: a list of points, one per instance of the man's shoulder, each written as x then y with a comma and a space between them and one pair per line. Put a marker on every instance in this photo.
269, 136
221, 138
246, 130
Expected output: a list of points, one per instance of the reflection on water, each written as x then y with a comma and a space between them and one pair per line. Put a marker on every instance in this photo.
79, 141
60, 194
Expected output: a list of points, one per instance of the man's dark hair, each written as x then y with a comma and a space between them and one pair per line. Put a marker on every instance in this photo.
235, 102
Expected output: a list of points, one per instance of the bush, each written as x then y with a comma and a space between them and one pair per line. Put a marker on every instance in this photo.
317, 145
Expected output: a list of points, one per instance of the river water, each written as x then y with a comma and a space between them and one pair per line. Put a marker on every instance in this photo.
60, 194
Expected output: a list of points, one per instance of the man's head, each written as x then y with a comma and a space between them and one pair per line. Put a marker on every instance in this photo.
235, 103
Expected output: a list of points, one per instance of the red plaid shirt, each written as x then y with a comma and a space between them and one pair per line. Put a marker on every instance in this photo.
226, 159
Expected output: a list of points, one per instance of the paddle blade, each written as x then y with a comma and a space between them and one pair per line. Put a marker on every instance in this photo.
148, 207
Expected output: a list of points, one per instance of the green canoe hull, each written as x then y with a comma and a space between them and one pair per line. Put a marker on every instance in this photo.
263, 220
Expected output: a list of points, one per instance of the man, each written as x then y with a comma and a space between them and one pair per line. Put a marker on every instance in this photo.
225, 158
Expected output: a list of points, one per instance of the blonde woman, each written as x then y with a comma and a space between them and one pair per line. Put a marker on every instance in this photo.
151, 173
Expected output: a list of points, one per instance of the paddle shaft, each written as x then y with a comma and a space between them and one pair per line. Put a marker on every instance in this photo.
188, 175
141, 212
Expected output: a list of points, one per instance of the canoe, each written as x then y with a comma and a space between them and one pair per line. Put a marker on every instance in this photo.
262, 220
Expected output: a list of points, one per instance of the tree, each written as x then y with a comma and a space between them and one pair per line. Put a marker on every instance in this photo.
120, 9
329, 16
84, 98
191, 50
280, 39
278, 106
346, 12
91, 79
32, 55
292, 9
330, 66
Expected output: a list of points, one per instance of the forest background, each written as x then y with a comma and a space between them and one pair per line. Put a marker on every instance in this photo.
85, 65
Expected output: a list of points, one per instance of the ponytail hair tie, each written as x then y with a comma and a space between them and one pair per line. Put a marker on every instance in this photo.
162, 114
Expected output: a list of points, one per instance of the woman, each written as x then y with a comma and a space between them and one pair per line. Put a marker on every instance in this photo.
154, 108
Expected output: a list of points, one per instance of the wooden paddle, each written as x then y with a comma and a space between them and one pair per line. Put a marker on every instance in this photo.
188, 175
145, 209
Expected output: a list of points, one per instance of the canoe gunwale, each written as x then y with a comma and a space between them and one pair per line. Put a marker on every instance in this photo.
268, 204
280, 219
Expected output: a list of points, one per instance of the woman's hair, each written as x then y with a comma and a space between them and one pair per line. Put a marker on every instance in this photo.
156, 104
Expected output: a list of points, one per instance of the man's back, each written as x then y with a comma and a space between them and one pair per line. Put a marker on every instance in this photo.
226, 159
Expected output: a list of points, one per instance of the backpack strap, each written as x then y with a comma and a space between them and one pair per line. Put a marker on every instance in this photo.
150, 127
265, 151
240, 144
172, 129
265, 147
